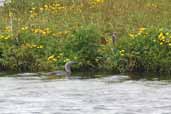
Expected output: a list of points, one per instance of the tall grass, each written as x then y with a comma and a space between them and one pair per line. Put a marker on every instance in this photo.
121, 16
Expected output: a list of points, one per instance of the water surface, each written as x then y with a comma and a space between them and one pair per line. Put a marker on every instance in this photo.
109, 95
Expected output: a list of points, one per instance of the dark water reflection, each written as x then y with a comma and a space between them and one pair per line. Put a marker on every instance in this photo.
109, 95
148, 76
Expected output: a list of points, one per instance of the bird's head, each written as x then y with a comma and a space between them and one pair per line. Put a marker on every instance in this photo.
68, 66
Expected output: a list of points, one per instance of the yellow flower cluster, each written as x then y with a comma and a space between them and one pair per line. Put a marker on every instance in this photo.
164, 38
52, 58
57, 34
43, 32
51, 8
122, 52
7, 29
24, 28
27, 45
132, 35
96, 2
33, 13
4, 37
140, 32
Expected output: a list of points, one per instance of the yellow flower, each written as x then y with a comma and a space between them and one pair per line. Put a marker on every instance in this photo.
52, 58
131, 35
95, 2
161, 35
122, 52
43, 33
40, 47
161, 43
33, 14
99, 1
33, 8
31, 11
33, 46
7, 37
47, 30
1, 36
24, 28
142, 29
46, 6
41, 9
7, 29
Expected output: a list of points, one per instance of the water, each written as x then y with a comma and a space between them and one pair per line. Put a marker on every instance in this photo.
110, 95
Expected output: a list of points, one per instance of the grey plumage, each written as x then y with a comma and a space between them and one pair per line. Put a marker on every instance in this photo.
67, 71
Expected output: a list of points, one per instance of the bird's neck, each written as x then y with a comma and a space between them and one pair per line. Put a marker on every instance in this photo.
68, 68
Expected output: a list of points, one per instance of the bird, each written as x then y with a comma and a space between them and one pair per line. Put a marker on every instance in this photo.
114, 37
66, 73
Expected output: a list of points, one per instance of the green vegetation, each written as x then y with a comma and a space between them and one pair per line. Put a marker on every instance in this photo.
42, 35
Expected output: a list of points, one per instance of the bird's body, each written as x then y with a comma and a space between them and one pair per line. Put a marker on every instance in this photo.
28, 74
66, 73
58, 73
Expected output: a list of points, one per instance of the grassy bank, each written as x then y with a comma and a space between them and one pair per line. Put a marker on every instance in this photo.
45, 34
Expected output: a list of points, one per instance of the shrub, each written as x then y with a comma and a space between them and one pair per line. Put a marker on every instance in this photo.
28, 52
84, 46
149, 50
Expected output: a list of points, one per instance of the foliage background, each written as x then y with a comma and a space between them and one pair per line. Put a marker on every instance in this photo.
38, 35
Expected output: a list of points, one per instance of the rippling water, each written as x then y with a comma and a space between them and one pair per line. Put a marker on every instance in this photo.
111, 95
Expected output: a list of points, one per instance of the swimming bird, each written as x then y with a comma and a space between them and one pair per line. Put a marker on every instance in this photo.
66, 73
